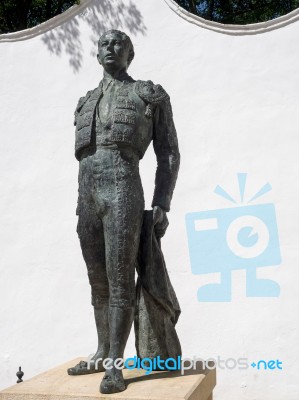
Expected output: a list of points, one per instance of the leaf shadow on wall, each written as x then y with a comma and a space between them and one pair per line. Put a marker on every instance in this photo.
100, 16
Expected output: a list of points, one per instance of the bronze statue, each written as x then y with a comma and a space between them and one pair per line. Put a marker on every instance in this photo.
115, 124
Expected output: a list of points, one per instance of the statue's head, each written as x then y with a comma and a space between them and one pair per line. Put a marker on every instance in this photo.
115, 50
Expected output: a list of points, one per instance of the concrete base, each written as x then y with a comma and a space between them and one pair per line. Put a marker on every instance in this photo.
56, 384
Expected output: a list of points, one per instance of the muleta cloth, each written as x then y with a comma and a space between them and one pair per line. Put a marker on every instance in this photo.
157, 307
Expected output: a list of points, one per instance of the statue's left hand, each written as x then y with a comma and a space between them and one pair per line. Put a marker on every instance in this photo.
160, 221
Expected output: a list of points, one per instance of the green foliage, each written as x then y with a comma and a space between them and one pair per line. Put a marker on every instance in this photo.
16, 15
239, 11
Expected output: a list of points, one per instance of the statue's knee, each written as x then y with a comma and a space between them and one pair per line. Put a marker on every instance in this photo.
99, 300
99, 294
98, 278
122, 299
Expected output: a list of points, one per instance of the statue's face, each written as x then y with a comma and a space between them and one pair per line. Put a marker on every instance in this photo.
113, 52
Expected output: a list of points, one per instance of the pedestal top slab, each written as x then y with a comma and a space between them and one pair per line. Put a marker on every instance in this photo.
56, 384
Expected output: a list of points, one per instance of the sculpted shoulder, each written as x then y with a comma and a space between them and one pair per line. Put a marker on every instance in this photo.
151, 93
82, 101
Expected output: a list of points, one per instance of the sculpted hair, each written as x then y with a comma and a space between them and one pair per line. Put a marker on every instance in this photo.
125, 39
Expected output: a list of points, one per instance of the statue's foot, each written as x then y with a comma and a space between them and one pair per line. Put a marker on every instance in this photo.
113, 382
84, 368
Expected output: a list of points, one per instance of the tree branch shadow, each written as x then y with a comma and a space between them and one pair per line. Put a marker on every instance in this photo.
100, 16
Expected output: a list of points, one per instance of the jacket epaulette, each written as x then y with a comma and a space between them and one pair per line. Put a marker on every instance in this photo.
80, 104
151, 93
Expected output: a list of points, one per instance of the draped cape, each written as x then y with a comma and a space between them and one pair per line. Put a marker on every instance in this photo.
157, 307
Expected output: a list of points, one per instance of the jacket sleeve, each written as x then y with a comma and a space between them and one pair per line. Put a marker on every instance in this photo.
167, 152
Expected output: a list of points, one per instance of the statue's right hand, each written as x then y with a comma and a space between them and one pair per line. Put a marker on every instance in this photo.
160, 221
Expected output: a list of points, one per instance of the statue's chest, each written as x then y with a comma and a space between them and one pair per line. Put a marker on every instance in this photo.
120, 114
118, 105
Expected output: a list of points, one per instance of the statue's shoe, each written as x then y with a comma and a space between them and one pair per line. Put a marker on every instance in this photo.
84, 368
111, 385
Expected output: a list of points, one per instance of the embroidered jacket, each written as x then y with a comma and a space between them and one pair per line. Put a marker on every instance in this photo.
141, 114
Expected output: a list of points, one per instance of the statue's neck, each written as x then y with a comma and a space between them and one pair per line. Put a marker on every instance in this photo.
117, 75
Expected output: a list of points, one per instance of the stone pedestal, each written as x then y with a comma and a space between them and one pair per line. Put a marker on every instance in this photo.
56, 384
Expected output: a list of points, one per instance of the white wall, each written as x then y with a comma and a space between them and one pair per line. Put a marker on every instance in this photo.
235, 102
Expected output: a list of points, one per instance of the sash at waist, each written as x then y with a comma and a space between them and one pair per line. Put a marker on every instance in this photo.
123, 148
